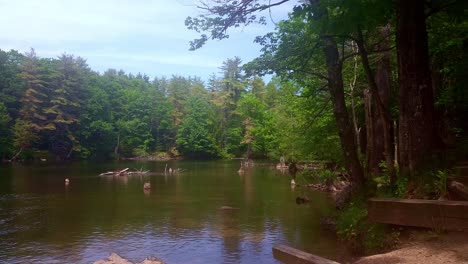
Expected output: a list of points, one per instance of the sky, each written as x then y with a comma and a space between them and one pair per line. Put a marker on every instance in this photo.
139, 36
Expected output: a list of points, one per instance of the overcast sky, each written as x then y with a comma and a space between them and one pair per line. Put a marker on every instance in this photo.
135, 36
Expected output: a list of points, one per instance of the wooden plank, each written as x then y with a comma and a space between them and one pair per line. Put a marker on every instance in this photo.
288, 254
462, 170
442, 215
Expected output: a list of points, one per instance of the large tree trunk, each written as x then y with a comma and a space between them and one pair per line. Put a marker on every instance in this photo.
417, 134
377, 100
335, 86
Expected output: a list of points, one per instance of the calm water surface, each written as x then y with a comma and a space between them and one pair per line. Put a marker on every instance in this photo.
178, 220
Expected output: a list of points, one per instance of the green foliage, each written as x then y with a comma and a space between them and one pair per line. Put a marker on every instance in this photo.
327, 175
4, 131
384, 186
350, 221
75, 112
193, 137
433, 184
24, 134
440, 182
401, 186
353, 227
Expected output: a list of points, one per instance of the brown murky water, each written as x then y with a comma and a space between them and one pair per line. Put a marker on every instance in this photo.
179, 220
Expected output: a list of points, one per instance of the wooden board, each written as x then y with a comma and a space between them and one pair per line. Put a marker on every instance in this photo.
288, 255
440, 215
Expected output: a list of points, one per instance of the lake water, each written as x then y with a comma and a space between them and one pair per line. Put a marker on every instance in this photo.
179, 220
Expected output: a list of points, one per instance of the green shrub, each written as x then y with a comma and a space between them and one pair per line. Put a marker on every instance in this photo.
440, 182
327, 175
350, 221
364, 237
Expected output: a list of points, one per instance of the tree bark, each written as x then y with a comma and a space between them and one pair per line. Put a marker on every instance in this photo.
417, 134
116, 149
352, 88
345, 129
379, 124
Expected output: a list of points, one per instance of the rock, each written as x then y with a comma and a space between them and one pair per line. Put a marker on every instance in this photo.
459, 189
151, 260
113, 259
116, 259
343, 196
328, 223
147, 186
301, 200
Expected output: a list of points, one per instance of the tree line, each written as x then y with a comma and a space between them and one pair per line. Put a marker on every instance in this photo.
59, 108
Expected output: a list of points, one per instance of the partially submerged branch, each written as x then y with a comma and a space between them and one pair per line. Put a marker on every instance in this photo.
123, 172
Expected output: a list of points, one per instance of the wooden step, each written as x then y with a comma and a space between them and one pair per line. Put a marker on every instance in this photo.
439, 215
461, 171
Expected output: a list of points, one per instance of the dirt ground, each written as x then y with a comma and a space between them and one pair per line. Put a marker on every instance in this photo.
426, 248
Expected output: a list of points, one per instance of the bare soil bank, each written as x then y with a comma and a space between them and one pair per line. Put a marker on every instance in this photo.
426, 248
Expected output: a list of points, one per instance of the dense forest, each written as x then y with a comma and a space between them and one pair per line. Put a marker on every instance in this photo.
374, 86
59, 108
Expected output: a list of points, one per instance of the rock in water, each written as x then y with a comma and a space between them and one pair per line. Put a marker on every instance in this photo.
113, 259
301, 200
147, 186
116, 259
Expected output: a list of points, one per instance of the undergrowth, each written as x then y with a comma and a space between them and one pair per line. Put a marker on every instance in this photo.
363, 236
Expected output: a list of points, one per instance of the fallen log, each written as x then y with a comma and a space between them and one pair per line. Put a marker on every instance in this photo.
137, 172
288, 254
107, 173
459, 189
123, 172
